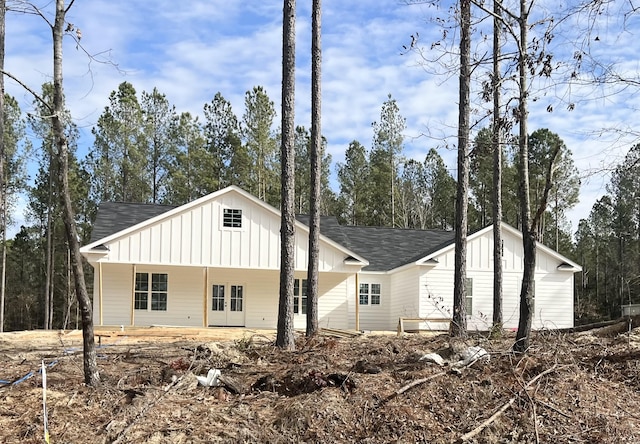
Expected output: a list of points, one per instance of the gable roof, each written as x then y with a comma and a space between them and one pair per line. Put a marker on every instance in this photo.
122, 219
566, 263
385, 248
117, 216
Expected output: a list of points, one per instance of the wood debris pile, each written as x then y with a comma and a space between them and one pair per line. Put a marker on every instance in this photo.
577, 387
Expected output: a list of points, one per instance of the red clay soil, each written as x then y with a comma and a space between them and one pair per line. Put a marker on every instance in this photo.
568, 388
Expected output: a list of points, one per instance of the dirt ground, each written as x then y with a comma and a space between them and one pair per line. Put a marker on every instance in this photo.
569, 388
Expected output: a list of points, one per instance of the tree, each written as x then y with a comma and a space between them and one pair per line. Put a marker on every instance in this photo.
23, 279
353, 178
56, 112
13, 178
44, 202
159, 119
303, 148
565, 188
387, 148
188, 174
497, 128
284, 336
227, 156
624, 189
442, 191
316, 170
459, 324
118, 158
481, 171
426, 192
3, 210
261, 145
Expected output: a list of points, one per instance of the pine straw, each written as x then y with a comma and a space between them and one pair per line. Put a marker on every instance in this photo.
588, 392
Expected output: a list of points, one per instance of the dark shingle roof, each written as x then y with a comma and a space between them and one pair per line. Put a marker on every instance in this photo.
385, 248
116, 216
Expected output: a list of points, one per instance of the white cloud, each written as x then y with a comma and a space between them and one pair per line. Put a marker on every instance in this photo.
191, 52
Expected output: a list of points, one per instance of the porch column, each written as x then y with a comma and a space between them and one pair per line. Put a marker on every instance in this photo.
133, 295
205, 286
100, 289
357, 301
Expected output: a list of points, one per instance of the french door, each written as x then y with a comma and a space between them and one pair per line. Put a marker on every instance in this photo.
227, 305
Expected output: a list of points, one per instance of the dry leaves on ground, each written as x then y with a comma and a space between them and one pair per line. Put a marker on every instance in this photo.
371, 389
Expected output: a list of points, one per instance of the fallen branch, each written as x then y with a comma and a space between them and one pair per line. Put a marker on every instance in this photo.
409, 386
467, 436
555, 409
120, 438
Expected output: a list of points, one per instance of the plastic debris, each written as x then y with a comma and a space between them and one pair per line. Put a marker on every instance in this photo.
472, 354
211, 380
433, 357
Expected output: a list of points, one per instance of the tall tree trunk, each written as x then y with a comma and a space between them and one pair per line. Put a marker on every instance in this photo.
4, 259
316, 159
497, 171
91, 374
51, 288
529, 232
459, 324
3, 185
285, 338
49, 250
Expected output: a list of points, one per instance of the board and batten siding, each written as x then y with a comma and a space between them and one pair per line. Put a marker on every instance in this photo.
196, 237
553, 287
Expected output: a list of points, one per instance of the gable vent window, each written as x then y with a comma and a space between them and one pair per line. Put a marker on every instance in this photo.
232, 218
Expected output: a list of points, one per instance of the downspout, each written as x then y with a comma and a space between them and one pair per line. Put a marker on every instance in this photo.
357, 301
133, 295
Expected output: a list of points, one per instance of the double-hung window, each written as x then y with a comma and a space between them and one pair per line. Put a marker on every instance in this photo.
469, 299
369, 294
151, 287
300, 296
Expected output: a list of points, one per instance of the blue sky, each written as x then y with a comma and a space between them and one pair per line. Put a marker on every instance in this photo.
230, 46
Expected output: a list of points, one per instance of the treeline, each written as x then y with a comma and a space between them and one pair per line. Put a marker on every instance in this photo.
145, 151
608, 245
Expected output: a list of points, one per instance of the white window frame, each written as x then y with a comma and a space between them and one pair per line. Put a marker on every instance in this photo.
300, 295
232, 219
155, 294
469, 298
367, 295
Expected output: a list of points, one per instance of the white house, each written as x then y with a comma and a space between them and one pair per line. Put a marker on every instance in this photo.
216, 261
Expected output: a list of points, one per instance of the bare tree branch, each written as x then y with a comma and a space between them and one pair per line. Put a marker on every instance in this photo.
37, 96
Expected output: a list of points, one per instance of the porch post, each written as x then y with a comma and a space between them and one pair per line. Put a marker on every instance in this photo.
357, 301
100, 289
205, 284
133, 295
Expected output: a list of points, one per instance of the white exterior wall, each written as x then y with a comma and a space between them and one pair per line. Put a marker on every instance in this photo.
436, 295
373, 317
333, 310
184, 298
262, 289
192, 239
196, 237
554, 288
116, 286
186, 304
405, 300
